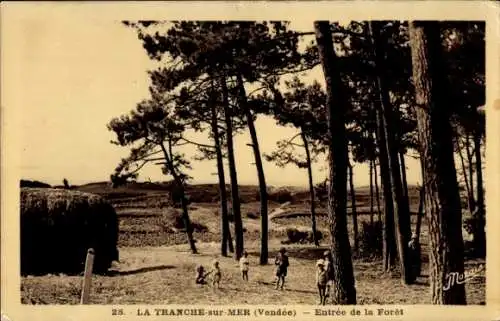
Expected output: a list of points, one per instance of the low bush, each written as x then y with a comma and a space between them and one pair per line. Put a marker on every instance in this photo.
474, 225
252, 215
296, 236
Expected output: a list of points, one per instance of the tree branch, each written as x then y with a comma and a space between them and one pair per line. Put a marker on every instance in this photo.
295, 144
197, 144
138, 168
256, 90
154, 159
293, 137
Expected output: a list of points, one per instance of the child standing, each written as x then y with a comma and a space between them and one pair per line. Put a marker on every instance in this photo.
414, 251
321, 281
327, 258
244, 266
281, 262
216, 274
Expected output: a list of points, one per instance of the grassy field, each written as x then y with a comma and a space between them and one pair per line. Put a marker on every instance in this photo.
156, 268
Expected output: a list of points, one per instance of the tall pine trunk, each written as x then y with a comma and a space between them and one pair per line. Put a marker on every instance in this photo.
470, 193
260, 172
372, 203
179, 185
418, 228
420, 212
442, 202
480, 233
344, 283
235, 195
421, 203
420, 217
471, 167
403, 175
401, 206
225, 235
311, 189
377, 193
389, 238
353, 206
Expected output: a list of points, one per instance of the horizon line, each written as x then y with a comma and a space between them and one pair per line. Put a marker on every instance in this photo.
194, 182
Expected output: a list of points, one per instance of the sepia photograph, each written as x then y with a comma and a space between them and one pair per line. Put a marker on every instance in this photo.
246, 162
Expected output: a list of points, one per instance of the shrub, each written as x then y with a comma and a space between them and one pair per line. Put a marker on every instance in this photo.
58, 227
319, 236
321, 191
470, 224
296, 236
252, 215
370, 240
473, 224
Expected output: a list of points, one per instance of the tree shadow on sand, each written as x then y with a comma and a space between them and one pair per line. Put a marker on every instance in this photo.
141, 270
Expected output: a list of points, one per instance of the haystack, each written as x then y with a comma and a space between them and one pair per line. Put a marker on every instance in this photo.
58, 226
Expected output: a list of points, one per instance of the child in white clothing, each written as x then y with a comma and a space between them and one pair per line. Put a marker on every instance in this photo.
216, 274
244, 266
321, 281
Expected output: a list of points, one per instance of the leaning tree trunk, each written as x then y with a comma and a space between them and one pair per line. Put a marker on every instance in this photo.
226, 235
311, 189
436, 146
401, 206
353, 207
479, 233
260, 173
371, 192
235, 195
344, 282
179, 185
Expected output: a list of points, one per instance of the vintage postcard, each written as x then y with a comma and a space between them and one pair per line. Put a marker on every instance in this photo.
250, 160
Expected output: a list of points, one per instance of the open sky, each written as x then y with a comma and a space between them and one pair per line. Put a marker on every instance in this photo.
69, 76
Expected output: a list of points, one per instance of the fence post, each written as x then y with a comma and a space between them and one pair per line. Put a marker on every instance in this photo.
87, 277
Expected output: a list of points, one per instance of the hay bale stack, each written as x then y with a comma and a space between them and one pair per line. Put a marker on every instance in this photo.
58, 226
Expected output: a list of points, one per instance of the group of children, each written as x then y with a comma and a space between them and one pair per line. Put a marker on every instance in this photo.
324, 269
324, 275
215, 272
